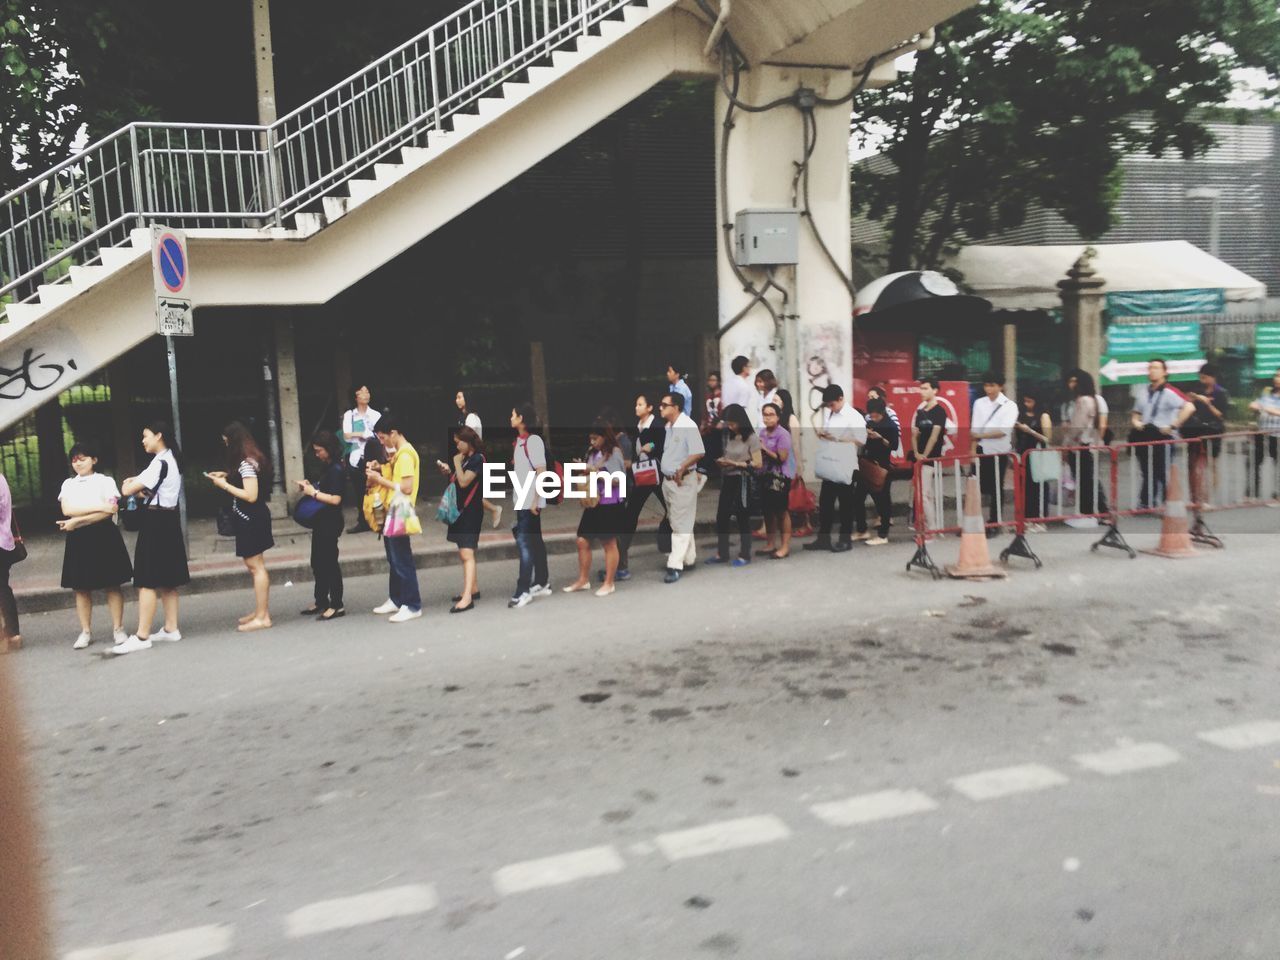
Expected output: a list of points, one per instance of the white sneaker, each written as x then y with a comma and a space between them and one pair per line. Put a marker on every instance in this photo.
541, 590
131, 645
403, 614
497, 516
85, 639
877, 541
386, 607
169, 636
515, 603
119, 636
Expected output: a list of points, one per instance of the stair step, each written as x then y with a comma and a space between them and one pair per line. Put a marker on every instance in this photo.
466, 122
83, 276
415, 156
514, 91
19, 315
140, 237
52, 294
308, 223
562, 60
360, 191
540, 76
113, 258
334, 208
590, 46
634, 14
388, 172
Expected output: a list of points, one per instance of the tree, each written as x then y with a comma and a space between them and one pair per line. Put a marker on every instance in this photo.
1023, 102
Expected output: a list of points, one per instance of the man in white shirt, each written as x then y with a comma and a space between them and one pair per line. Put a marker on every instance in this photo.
357, 430
741, 387
682, 448
991, 429
841, 437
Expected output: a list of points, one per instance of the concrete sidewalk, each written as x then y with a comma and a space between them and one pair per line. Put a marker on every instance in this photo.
214, 566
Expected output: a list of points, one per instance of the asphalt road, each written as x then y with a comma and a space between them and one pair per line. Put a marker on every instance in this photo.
822, 758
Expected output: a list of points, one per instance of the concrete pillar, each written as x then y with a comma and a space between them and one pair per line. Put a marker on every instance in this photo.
124, 432
1010, 358
53, 454
814, 347
538, 382
1082, 303
290, 415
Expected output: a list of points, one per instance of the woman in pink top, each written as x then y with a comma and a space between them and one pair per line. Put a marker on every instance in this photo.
10, 635
777, 471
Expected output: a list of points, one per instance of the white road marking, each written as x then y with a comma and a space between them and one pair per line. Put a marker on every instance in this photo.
991, 784
557, 870
1126, 759
720, 837
1246, 736
362, 909
197, 943
870, 807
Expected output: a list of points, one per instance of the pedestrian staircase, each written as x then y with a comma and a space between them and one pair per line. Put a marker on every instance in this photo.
296, 211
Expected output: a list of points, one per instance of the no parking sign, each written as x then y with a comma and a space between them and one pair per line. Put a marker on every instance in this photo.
171, 274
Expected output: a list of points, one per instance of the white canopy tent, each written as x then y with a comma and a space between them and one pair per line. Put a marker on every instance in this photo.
1026, 277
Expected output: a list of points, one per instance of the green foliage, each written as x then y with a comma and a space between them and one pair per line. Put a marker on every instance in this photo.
1037, 101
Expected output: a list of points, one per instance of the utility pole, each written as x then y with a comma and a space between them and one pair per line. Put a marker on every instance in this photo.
283, 416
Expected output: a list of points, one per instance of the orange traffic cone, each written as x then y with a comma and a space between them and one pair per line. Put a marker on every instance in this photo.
1175, 534
975, 558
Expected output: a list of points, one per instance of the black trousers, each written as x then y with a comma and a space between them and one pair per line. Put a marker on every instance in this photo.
991, 471
1089, 485
324, 564
8, 605
1154, 471
735, 501
1262, 446
637, 497
882, 500
828, 495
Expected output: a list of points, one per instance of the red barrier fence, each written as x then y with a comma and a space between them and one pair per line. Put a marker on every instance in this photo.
1085, 485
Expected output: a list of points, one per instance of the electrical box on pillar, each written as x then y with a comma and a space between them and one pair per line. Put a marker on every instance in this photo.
767, 238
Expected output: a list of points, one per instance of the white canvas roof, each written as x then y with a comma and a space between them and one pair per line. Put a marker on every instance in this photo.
1026, 278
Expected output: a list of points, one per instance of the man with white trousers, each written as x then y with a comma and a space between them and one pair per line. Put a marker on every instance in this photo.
681, 483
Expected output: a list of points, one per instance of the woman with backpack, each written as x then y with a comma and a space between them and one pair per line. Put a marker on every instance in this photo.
466, 474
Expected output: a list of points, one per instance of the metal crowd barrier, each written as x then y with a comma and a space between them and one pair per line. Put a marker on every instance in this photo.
938, 512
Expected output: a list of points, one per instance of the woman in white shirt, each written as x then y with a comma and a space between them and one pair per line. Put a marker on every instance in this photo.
160, 556
95, 557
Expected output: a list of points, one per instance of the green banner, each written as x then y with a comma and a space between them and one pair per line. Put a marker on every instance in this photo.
1142, 341
1266, 351
1158, 303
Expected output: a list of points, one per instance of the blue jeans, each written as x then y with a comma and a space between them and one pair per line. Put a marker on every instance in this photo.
402, 580
533, 552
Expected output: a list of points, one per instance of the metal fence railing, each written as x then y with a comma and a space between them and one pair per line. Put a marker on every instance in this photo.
227, 175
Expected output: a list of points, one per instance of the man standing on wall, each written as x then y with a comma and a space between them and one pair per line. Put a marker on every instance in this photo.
681, 450
357, 429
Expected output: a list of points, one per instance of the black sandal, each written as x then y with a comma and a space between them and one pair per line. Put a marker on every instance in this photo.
474, 596
309, 612
337, 612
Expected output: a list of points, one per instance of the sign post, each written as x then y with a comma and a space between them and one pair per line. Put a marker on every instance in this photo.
171, 275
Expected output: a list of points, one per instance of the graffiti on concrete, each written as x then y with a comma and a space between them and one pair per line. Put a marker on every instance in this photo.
31, 375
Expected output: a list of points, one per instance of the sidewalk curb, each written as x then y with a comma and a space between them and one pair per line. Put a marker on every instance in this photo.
48, 599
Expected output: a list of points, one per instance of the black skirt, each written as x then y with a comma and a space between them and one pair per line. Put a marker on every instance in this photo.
96, 558
603, 522
253, 528
160, 558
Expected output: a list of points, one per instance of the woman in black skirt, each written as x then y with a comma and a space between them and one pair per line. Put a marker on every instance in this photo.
95, 556
467, 475
603, 520
252, 518
326, 528
160, 556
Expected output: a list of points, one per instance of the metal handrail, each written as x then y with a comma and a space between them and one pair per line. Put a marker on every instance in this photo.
209, 175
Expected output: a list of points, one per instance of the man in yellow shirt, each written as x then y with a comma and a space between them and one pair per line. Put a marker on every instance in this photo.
404, 601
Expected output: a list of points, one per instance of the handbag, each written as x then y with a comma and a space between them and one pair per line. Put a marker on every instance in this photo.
1045, 466
774, 482
307, 511
644, 472
134, 504
874, 476
19, 551
801, 499
226, 522
836, 462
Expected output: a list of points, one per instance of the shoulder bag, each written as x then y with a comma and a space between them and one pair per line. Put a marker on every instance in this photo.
131, 515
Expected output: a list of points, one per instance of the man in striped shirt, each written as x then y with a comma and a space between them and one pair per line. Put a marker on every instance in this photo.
1267, 408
